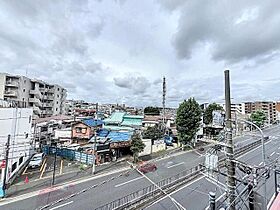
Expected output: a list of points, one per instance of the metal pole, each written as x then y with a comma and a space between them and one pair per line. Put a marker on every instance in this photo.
93, 153
6, 162
54, 165
230, 155
212, 200
251, 196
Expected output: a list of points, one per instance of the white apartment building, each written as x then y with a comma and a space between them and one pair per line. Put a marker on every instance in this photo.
15, 122
45, 99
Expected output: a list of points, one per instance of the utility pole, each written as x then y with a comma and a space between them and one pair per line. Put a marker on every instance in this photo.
93, 153
6, 163
212, 200
229, 152
54, 164
163, 102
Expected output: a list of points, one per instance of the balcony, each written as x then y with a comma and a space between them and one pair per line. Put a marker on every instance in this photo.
36, 110
49, 97
36, 92
36, 101
11, 83
10, 93
47, 112
48, 104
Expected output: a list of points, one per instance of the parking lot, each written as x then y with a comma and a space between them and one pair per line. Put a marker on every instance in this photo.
45, 170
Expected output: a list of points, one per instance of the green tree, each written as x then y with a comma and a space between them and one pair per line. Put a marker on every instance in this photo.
207, 115
188, 120
137, 146
258, 117
149, 110
153, 133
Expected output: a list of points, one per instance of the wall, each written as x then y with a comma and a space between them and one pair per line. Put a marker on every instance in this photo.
148, 147
2, 85
85, 135
17, 123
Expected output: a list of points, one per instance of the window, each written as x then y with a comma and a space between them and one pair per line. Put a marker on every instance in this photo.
57, 102
22, 99
81, 130
56, 109
24, 81
57, 89
24, 90
57, 96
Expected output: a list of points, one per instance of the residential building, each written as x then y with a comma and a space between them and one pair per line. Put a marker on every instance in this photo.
16, 122
277, 107
45, 99
268, 107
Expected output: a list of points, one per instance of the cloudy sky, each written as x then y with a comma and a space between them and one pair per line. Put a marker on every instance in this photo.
118, 51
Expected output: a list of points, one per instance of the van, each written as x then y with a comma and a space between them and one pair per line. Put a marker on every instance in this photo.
37, 160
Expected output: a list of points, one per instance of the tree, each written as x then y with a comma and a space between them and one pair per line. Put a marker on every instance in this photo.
153, 133
149, 110
137, 146
258, 117
188, 120
207, 116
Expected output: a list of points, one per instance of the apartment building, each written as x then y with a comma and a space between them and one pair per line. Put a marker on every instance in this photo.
268, 107
45, 99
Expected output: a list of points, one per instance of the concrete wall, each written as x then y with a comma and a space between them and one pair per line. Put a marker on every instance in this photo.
17, 123
148, 147
2, 85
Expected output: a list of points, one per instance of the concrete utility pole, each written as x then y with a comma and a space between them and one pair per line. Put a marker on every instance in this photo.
163, 101
6, 163
230, 155
93, 153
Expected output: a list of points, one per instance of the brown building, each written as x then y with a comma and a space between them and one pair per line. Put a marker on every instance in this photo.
268, 107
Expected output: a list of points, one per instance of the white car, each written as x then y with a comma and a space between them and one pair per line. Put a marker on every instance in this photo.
37, 160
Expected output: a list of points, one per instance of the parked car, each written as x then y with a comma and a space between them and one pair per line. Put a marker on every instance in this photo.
148, 167
37, 160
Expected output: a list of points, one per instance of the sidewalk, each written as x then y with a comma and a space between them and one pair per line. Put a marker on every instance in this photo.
39, 184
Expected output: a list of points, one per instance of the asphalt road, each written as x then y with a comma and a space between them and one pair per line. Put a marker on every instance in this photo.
192, 196
195, 195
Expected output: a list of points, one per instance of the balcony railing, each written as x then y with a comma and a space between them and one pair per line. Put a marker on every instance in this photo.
11, 93
11, 83
36, 101
36, 92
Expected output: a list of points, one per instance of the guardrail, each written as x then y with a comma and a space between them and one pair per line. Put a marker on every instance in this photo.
150, 192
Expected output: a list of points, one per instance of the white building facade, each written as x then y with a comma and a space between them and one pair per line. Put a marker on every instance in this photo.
15, 122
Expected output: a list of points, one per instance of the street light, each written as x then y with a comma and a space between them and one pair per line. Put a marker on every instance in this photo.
263, 153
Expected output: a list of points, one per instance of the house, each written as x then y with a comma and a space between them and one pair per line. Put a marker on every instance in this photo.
83, 131
115, 119
132, 121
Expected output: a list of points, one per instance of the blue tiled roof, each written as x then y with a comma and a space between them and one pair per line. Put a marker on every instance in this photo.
93, 122
119, 136
102, 133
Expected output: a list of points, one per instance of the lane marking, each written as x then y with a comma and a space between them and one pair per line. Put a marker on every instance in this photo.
253, 150
65, 204
132, 180
260, 163
175, 191
177, 164
272, 153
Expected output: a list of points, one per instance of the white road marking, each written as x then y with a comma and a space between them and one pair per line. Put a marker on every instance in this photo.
175, 191
132, 180
260, 163
177, 164
65, 204
272, 153
253, 150
207, 208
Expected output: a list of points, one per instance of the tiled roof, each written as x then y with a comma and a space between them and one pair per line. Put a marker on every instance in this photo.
93, 122
119, 136
116, 117
117, 128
